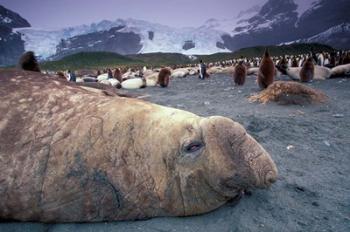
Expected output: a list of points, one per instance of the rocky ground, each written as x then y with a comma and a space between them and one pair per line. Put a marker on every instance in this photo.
310, 145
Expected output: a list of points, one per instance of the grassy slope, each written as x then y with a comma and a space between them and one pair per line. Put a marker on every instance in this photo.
94, 60
293, 49
161, 58
89, 60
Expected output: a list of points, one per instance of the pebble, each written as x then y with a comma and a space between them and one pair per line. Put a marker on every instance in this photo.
315, 204
327, 143
338, 115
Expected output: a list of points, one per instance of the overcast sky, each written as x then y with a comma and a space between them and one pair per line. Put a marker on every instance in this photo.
179, 13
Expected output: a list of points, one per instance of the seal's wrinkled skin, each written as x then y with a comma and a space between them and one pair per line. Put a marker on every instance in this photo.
73, 154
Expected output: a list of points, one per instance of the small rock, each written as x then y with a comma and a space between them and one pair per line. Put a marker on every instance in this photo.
327, 143
315, 203
248, 193
338, 115
299, 189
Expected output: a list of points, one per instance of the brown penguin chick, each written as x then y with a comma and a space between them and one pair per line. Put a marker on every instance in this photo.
117, 75
283, 62
266, 72
346, 59
333, 60
307, 71
28, 62
240, 73
295, 63
164, 77
341, 59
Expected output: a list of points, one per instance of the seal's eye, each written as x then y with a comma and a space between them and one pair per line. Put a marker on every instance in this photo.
193, 147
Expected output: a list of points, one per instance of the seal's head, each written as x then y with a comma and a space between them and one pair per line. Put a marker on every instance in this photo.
210, 161
235, 158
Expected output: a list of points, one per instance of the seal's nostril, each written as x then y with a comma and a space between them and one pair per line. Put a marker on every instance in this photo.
270, 178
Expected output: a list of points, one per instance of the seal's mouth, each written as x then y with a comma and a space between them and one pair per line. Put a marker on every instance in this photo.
240, 194
234, 187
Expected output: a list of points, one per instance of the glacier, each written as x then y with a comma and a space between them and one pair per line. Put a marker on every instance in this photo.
166, 39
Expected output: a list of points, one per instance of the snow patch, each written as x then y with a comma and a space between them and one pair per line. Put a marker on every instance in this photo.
344, 27
5, 19
166, 39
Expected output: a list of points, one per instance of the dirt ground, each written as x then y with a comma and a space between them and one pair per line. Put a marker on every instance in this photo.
310, 145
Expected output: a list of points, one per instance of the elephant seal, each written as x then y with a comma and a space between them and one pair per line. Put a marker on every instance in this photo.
113, 82
164, 77
102, 77
134, 83
240, 73
340, 70
69, 154
151, 79
320, 73
307, 72
180, 73
267, 71
252, 71
28, 62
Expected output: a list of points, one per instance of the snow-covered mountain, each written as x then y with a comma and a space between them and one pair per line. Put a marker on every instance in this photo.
152, 37
287, 20
11, 45
322, 15
338, 35
11, 19
229, 26
275, 22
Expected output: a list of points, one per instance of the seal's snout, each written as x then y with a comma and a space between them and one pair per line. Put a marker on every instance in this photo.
259, 162
246, 163
270, 178
267, 174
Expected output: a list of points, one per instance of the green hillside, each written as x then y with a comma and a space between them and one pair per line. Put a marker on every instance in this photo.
89, 60
292, 49
161, 58
94, 60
